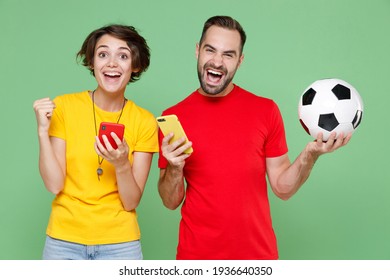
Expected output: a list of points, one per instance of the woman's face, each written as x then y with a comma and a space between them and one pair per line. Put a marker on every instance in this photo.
112, 64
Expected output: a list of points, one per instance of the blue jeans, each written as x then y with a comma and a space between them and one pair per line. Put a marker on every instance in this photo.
56, 249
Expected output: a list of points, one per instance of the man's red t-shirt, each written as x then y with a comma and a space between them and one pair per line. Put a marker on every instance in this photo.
226, 212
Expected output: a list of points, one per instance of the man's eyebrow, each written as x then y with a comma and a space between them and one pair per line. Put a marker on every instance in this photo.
230, 52
225, 52
209, 46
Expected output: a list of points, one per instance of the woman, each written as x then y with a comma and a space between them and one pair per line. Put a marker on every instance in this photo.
97, 187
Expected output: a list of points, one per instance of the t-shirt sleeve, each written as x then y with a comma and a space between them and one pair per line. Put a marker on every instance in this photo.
57, 124
147, 140
276, 144
162, 161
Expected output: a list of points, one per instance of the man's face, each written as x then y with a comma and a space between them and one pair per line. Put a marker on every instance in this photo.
219, 57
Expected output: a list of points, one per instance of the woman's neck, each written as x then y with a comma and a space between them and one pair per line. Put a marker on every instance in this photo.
110, 102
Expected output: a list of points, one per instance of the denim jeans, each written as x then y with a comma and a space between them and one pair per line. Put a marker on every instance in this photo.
56, 249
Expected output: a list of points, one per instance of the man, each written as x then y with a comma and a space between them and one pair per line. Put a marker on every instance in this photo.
238, 138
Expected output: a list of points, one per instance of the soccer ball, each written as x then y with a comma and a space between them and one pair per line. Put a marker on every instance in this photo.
330, 105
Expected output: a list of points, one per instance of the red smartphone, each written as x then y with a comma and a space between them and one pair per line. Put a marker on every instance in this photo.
106, 128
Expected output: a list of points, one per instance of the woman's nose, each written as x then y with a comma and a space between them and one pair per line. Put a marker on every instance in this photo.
112, 62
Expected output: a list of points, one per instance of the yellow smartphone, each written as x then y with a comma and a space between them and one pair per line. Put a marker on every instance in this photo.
171, 123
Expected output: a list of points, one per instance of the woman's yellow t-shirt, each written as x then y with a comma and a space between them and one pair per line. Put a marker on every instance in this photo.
88, 210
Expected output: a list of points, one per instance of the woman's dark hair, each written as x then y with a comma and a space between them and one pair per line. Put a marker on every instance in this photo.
140, 53
224, 22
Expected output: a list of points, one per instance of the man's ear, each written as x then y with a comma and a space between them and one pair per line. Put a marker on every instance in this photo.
197, 50
240, 60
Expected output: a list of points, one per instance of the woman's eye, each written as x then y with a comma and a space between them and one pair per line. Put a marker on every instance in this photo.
102, 55
123, 56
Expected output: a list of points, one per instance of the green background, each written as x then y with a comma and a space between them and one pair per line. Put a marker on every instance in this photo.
342, 212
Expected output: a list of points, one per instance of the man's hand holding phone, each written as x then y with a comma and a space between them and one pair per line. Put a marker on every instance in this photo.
174, 152
170, 124
175, 146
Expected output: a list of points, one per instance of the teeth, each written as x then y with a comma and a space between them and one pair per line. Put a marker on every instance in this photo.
214, 72
112, 74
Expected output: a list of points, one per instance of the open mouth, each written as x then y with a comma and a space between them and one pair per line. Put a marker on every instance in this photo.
112, 75
214, 76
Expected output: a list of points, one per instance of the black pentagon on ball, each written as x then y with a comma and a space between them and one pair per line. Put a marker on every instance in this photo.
308, 96
357, 119
328, 121
341, 92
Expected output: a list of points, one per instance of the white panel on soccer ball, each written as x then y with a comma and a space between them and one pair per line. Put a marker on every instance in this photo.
344, 111
324, 103
310, 115
315, 130
345, 128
